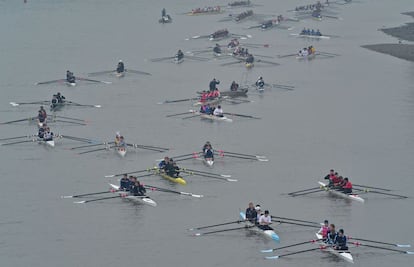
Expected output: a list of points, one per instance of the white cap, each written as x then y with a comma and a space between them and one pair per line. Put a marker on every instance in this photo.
118, 134
257, 207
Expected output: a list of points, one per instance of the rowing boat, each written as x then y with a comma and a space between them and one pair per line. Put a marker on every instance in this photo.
310, 36
214, 118
307, 57
178, 61
136, 199
50, 143
239, 92
355, 197
267, 233
239, 3
120, 74
211, 102
121, 151
205, 11
178, 180
208, 161
343, 254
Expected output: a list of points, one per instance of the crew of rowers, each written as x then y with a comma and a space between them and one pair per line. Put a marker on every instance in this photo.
208, 151
119, 140
311, 32
206, 9
120, 68
261, 219
44, 133
169, 166
240, 3
306, 51
211, 110
337, 240
241, 52
70, 78
338, 182
179, 55
57, 99
132, 185
219, 34
317, 6
243, 15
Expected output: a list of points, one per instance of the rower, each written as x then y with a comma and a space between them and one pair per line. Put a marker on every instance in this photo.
251, 213
318, 33
43, 111
117, 138
208, 153
329, 176
41, 117
267, 24
206, 146
121, 142
324, 229
54, 101
60, 97
163, 163
312, 32
260, 82
48, 135
121, 67
172, 169
331, 235
234, 86
217, 49
213, 84
264, 221
249, 58
259, 213
41, 131
124, 183
347, 187
218, 111
303, 31
70, 78
179, 55
138, 189
340, 243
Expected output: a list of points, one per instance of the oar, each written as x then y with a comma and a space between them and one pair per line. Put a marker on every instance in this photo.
160, 59
371, 187
80, 139
189, 117
95, 150
145, 148
381, 193
138, 72
296, 220
89, 194
289, 246
212, 176
48, 82
82, 105
101, 72
214, 225
241, 154
243, 116
121, 174
378, 247
306, 193
268, 62
172, 191
17, 137
327, 53
294, 223
97, 199
197, 58
94, 81
73, 148
250, 158
19, 142
200, 36
383, 243
72, 122
304, 190
210, 173
14, 104
292, 253
25, 119
225, 230
178, 100
177, 114
290, 55
231, 63
182, 156
282, 86
158, 147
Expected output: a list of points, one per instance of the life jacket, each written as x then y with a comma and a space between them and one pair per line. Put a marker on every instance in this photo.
325, 230
348, 185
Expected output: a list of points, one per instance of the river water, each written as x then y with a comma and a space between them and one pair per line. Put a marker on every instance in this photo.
353, 112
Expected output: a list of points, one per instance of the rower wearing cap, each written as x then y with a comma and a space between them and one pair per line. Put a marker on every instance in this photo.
124, 183
138, 189
179, 55
259, 212
324, 229
206, 145
340, 243
218, 111
60, 97
264, 221
251, 213
121, 67
121, 142
117, 138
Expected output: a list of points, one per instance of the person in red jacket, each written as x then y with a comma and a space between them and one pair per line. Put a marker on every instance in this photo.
347, 187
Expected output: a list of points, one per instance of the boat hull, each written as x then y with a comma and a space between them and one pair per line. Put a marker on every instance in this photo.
355, 197
178, 180
308, 57
270, 234
121, 151
136, 199
310, 36
208, 161
343, 254
238, 93
215, 118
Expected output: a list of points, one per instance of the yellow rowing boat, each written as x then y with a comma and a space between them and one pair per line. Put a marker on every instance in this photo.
178, 180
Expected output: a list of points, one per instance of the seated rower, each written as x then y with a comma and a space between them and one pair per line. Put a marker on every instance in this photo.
218, 111
330, 174
251, 213
70, 78
48, 135
117, 138
331, 235
260, 83
324, 230
209, 110
179, 55
347, 187
264, 221
60, 98
234, 86
138, 189
121, 142
172, 169
124, 183
41, 117
43, 111
318, 33
209, 153
259, 213
54, 102
217, 49
249, 58
41, 131
340, 243
206, 146
303, 31
164, 163
312, 32
121, 67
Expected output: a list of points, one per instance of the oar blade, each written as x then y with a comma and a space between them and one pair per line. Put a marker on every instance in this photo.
232, 180
272, 257
266, 250
409, 252
110, 176
66, 196
403, 245
80, 202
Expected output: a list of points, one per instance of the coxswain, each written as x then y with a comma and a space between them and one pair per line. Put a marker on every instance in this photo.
60, 97
265, 220
249, 58
48, 135
324, 229
121, 67
340, 243
138, 189
347, 187
213, 84
70, 78
331, 235
218, 111
217, 49
124, 183
179, 55
163, 163
234, 86
260, 82
251, 213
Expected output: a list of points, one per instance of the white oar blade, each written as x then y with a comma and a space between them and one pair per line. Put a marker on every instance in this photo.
263, 160
80, 202
410, 252
97, 106
199, 196
266, 250
14, 104
403, 246
225, 175
260, 157
109, 176
272, 257
197, 234
232, 180
66, 197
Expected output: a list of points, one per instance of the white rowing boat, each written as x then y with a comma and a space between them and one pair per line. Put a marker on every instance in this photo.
121, 151
137, 199
215, 118
343, 254
310, 36
208, 161
308, 57
267, 233
355, 197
